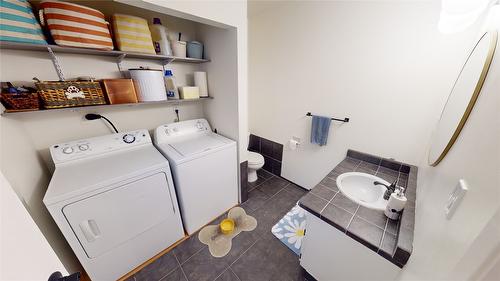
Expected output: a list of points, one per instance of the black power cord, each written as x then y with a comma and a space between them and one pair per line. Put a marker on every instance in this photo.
93, 116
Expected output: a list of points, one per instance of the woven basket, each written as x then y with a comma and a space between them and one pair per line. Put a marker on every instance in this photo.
70, 93
20, 102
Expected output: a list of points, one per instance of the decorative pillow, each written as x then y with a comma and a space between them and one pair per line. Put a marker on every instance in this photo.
18, 23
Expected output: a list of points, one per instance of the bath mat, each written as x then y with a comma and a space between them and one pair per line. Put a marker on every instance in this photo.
219, 238
291, 228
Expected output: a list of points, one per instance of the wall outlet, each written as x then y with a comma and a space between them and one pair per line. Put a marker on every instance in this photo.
455, 198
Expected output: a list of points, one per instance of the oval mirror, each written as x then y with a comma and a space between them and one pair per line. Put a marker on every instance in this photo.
462, 98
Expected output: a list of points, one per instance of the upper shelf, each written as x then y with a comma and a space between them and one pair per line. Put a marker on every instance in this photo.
117, 54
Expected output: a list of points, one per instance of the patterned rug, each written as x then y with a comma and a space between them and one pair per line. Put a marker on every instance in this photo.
291, 228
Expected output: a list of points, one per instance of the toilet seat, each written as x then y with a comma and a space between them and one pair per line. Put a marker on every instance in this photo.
255, 158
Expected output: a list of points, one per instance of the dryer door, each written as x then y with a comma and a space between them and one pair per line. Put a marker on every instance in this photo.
109, 219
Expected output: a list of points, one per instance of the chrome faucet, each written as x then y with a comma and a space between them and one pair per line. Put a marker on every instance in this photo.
390, 188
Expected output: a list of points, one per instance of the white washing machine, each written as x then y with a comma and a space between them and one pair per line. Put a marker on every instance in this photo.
205, 170
113, 199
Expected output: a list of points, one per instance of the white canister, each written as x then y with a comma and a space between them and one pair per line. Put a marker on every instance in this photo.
179, 49
149, 84
200, 81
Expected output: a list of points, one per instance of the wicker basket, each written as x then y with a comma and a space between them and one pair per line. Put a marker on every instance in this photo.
20, 102
70, 93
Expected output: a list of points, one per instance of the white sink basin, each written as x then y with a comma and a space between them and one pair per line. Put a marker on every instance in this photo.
359, 188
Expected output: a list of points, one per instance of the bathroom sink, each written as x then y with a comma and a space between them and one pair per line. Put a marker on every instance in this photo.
359, 188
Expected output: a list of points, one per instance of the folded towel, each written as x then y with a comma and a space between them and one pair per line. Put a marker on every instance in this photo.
319, 129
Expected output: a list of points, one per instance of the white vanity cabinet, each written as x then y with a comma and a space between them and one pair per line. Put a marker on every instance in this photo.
328, 254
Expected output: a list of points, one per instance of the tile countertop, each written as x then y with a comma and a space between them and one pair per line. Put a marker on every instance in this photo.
391, 239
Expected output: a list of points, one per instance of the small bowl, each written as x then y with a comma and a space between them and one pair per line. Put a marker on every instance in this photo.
227, 226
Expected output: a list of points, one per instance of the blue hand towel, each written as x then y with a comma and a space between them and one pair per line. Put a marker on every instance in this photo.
319, 129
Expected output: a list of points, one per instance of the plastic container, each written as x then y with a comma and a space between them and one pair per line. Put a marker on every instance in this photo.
195, 50
172, 92
149, 84
159, 33
179, 48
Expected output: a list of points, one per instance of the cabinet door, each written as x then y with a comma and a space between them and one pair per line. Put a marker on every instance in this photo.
109, 219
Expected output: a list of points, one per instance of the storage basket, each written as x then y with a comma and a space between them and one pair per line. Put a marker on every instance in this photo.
75, 25
20, 102
57, 94
132, 34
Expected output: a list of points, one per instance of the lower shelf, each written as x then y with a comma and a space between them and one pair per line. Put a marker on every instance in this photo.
104, 106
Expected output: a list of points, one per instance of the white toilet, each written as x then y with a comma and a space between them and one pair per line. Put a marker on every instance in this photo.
255, 162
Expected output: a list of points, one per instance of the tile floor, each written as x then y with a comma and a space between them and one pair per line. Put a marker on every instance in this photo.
255, 255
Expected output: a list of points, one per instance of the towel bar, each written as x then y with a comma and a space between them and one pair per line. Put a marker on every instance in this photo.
335, 119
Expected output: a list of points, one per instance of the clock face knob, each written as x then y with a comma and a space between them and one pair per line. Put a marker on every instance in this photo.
67, 150
128, 138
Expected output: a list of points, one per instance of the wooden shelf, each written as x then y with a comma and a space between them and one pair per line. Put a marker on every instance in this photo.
104, 106
117, 54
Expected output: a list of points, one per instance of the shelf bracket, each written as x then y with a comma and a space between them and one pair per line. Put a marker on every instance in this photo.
119, 61
56, 63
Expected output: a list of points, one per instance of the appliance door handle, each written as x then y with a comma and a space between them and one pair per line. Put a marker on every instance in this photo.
90, 230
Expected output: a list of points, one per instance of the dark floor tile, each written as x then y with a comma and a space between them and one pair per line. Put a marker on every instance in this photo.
405, 239
254, 143
228, 275
176, 275
345, 203
268, 259
378, 218
253, 185
333, 174
408, 218
273, 186
266, 147
272, 211
240, 244
388, 245
341, 169
336, 216
368, 234
159, 268
277, 151
264, 174
313, 203
363, 156
256, 199
330, 183
323, 192
296, 190
188, 248
203, 266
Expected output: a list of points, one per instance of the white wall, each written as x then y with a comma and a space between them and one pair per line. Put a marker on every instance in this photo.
382, 63
22, 243
224, 14
456, 249
25, 160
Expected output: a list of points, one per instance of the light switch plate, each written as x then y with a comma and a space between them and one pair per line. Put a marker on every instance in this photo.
455, 198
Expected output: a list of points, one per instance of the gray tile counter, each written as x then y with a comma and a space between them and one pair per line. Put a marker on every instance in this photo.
391, 239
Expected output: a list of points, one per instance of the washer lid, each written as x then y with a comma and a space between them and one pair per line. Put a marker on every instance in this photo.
189, 147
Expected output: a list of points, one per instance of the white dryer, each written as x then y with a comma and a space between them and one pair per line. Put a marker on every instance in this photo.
205, 170
113, 199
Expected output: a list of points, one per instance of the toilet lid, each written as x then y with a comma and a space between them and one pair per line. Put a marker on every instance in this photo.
255, 158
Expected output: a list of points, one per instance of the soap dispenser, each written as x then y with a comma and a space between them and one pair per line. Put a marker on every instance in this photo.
396, 204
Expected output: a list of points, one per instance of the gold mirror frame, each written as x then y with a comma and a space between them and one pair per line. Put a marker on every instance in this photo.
475, 95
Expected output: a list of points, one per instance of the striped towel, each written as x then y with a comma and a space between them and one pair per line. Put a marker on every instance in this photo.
18, 24
132, 34
76, 26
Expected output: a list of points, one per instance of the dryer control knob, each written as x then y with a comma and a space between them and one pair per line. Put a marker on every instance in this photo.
67, 150
83, 147
128, 138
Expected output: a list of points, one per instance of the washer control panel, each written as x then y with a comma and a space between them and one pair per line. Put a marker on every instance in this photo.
174, 131
80, 149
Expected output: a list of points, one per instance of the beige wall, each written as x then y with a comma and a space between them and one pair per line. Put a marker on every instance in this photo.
382, 63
